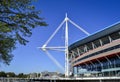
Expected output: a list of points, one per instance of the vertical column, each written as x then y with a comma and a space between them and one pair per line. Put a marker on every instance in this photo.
109, 62
78, 51
101, 43
115, 67
110, 39
66, 48
85, 48
101, 66
77, 70
73, 71
93, 45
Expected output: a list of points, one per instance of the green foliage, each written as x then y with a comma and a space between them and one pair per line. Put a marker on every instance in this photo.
7, 44
22, 75
10, 74
17, 19
39, 74
3, 74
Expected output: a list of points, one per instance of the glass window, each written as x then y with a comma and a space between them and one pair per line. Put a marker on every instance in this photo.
81, 49
115, 35
89, 46
97, 43
105, 40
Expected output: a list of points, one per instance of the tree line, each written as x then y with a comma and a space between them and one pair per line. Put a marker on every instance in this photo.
12, 74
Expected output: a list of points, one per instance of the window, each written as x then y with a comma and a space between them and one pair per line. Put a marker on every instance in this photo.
115, 35
97, 43
89, 46
81, 50
105, 40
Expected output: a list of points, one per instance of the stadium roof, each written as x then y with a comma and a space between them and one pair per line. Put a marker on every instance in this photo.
107, 31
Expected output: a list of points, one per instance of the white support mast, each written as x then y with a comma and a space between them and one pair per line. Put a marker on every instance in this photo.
66, 48
62, 48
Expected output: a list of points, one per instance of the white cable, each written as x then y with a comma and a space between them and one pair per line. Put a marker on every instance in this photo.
54, 60
79, 27
54, 33
61, 50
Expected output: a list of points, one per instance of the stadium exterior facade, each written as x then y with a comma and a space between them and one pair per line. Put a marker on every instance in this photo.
97, 54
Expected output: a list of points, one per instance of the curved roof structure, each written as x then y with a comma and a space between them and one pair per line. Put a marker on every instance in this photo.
107, 31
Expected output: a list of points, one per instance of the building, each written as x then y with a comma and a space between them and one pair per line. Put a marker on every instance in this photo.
50, 74
97, 54
46, 73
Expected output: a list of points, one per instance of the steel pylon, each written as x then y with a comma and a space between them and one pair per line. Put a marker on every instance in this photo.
64, 48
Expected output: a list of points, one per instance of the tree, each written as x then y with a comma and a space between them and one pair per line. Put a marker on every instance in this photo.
17, 19
11, 74
3, 74
39, 74
22, 75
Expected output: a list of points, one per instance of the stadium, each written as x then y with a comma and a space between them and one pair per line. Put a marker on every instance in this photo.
97, 54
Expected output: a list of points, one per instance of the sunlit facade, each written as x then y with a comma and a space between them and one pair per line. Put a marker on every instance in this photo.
98, 54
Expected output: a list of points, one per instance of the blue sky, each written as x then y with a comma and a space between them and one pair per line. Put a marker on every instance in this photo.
92, 15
